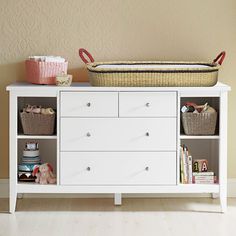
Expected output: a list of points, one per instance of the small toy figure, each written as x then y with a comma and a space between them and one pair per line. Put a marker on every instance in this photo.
44, 174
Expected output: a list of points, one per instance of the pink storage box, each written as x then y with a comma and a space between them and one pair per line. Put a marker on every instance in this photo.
39, 72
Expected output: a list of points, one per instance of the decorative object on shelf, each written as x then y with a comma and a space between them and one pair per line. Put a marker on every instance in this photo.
198, 119
29, 159
152, 73
37, 120
44, 174
44, 69
200, 165
63, 80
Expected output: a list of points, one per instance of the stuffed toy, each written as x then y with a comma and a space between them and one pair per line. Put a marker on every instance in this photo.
44, 174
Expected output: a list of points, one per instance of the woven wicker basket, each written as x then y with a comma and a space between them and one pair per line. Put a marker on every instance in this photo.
199, 123
152, 73
37, 124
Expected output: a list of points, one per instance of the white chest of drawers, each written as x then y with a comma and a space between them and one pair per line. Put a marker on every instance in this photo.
117, 140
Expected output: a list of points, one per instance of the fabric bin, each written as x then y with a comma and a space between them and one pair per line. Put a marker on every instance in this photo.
199, 123
40, 72
37, 124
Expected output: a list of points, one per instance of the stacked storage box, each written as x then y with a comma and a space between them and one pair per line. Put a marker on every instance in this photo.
29, 159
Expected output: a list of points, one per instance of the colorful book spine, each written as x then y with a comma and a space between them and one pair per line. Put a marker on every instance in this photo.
190, 169
185, 166
209, 173
181, 165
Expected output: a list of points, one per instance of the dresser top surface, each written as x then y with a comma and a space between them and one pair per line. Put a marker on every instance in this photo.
24, 86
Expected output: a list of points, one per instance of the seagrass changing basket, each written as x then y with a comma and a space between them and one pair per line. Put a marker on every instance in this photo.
152, 73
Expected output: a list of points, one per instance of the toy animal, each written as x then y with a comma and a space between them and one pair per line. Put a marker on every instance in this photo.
44, 174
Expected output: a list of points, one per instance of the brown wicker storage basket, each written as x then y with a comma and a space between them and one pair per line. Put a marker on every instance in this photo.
37, 124
152, 73
199, 123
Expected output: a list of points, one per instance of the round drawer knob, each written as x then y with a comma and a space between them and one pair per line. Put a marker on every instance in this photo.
147, 134
88, 134
88, 104
147, 168
88, 168
147, 104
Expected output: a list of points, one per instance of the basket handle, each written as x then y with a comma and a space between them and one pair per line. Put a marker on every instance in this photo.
83, 51
220, 58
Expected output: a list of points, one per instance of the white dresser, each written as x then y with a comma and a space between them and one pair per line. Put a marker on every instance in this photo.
118, 140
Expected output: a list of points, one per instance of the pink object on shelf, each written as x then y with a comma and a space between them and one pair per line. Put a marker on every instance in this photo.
39, 72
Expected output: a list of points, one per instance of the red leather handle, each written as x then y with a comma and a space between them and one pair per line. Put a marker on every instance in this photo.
83, 51
220, 58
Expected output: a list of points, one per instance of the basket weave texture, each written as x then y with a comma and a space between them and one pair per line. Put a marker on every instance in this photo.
39, 72
143, 77
199, 123
37, 124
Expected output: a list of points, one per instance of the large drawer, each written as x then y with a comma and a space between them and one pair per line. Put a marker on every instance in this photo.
120, 168
89, 104
118, 134
147, 104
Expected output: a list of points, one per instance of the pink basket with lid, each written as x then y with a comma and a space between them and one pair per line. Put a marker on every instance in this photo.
40, 72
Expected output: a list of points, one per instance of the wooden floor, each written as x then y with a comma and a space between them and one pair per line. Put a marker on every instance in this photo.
164, 217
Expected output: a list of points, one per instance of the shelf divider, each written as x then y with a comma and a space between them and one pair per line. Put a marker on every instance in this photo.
22, 136
183, 136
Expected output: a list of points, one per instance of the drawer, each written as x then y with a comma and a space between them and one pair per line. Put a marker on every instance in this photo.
89, 104
147, 104
121, 168
118, 134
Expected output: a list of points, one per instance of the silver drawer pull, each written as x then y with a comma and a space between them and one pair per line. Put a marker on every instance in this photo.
88, 104
147, 134
147, 104
147, 168
88, 134
88, 168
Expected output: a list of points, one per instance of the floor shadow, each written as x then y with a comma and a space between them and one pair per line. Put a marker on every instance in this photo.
201, 205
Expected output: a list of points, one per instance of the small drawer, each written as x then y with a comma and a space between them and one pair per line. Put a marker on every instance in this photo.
89, 104
116, 134
147, 104
118, 168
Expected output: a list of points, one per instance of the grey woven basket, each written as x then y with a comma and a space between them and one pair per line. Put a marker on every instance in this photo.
37, 124
199, 123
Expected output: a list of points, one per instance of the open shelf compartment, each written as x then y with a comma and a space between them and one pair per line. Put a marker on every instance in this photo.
47, 153
44, 102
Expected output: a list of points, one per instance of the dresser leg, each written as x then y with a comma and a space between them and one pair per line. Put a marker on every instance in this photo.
118, 199
223, 201
12, 201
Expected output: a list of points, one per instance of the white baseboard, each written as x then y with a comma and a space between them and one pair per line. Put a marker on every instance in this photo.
4, 193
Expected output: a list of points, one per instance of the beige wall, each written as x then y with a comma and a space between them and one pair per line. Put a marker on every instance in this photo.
115, 30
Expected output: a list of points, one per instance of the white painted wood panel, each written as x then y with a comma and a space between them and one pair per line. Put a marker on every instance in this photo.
118, 168
121, 134
89, 104
147, 104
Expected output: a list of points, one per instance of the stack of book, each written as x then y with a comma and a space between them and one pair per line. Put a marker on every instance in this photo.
186, 171
204, 177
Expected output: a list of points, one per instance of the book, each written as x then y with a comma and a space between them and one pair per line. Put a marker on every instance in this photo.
190, 170
209, 173
207, 179
204, 181
185, 164
181, 164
